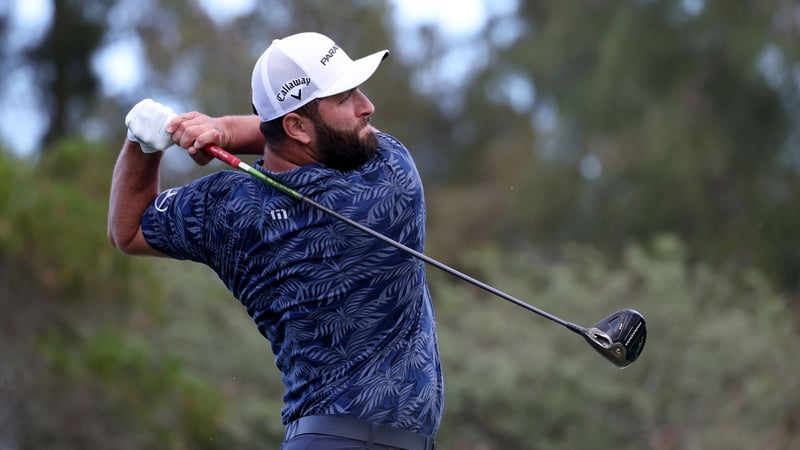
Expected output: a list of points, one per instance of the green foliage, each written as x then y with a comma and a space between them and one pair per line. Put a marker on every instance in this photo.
136, 382
12, 198
692, 132
47, 223
71, 322
716, 373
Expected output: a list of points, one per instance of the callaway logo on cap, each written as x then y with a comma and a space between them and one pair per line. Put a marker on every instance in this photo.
299, 68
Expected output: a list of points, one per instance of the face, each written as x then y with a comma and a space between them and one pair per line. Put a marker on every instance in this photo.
344, 137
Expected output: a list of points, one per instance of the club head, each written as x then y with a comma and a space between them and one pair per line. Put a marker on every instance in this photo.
620, 337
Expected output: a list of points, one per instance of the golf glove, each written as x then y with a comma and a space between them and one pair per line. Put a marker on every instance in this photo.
147, 122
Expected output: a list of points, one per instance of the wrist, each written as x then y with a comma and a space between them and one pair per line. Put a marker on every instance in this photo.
241, 135
138, 152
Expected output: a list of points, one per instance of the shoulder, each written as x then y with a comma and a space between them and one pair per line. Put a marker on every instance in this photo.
210, 191
222, 182
395, 153
389, 143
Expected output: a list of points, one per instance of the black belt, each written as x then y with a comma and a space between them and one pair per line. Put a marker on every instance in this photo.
359, 430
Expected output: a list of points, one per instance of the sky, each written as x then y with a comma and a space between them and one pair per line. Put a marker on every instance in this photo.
30, 18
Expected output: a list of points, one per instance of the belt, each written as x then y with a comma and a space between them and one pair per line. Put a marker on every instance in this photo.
359, 430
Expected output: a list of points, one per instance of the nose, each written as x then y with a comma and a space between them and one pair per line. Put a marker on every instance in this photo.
365, 106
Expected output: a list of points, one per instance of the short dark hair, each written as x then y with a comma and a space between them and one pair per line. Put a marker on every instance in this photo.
273, 130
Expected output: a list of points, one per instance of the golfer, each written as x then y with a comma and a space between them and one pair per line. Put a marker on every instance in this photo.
349, 318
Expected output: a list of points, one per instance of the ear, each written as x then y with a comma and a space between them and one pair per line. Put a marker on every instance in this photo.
298, 128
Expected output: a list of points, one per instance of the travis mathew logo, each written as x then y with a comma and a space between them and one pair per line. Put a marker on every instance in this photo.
288, 87
279, 214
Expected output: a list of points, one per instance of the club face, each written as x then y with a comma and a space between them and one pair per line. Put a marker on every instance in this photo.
620, 337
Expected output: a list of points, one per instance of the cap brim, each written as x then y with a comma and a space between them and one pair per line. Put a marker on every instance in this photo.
360, 71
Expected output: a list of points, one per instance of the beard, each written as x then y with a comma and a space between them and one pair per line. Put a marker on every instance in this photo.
344, 149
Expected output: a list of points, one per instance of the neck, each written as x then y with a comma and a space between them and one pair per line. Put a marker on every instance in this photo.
282, 160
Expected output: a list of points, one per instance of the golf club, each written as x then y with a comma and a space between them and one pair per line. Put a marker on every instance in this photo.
620, 337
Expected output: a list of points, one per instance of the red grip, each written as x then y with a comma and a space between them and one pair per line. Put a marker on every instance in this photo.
219, 153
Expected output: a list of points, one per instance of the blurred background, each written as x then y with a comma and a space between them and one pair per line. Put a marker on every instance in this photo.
583, 156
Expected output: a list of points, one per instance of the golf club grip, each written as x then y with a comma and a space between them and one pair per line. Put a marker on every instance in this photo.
222, 155
226, 157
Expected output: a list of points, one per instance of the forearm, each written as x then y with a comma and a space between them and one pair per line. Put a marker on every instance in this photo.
244, 134
134, 185
236, 134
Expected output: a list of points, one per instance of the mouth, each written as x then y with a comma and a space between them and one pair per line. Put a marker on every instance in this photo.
367, 130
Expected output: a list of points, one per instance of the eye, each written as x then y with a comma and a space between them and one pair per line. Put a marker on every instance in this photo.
346, 96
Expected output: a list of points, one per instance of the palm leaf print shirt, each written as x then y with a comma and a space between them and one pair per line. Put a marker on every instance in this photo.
349, 318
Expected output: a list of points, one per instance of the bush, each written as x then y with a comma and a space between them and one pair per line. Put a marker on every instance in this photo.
716, 373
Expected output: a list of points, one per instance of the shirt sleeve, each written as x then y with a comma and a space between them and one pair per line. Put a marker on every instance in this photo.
187, 222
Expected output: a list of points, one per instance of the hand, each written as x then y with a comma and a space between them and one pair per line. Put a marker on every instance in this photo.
147, 122
194, 131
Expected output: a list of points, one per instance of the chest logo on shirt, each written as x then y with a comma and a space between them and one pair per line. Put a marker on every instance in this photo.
162, 202
279, 214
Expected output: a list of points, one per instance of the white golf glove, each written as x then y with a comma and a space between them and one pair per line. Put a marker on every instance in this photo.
147, 122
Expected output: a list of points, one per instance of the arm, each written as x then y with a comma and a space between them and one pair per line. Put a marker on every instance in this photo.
153, 127
134, 185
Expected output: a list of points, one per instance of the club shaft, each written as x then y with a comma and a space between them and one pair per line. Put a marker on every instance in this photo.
234, 161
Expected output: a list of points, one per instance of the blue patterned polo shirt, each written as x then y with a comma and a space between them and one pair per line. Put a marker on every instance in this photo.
349, 318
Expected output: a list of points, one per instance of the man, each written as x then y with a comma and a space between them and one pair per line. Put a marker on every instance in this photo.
349, 318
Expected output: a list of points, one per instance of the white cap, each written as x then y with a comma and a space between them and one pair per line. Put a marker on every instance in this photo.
302, 67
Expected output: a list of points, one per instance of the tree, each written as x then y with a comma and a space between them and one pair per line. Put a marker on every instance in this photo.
63, 64
666, 119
